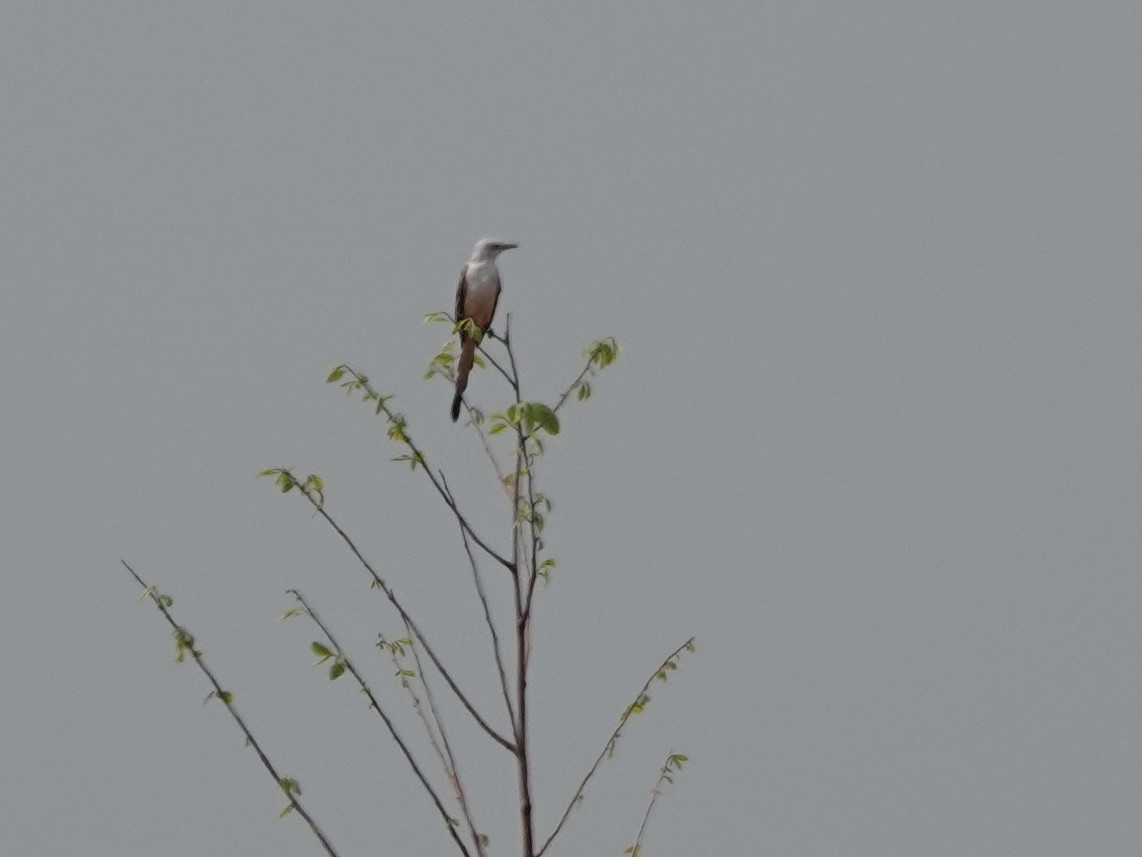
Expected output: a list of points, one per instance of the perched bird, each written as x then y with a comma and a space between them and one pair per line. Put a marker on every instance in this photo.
476, 299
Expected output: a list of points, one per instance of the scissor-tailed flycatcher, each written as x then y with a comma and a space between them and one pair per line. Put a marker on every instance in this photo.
476, 299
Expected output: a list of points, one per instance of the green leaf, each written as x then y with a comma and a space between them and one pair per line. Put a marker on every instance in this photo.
320, 650
542, 416
336, 671
336, 375
290, 785
604, 352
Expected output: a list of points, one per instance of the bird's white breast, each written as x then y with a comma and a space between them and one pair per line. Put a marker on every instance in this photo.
483, 284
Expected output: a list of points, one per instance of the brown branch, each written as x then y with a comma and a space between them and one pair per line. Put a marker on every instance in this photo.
225, 698
375, 704
487, 617
637, 705
522, 617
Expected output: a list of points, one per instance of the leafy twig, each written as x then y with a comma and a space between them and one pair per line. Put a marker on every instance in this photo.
673, 762
343, 664
398, 431
636, 707
600, 354
185, 645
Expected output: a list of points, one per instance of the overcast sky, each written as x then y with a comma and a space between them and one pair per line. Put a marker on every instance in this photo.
874, 437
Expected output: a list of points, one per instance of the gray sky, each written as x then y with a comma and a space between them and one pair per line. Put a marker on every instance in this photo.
874, 438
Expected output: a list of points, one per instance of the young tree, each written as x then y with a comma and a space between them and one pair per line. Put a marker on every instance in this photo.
526, 425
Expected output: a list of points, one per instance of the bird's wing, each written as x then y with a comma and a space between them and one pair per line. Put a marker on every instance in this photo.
461, 294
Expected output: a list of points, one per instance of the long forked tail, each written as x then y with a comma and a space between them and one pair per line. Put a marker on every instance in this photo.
463, 367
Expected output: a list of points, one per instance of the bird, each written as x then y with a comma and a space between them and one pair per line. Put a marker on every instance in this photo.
476, 299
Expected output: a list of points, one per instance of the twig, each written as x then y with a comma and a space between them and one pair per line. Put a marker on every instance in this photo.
601, 354
500, 478
638, 704
448, 759
673, 762
376, 706
574, 384
186, 644
487, 617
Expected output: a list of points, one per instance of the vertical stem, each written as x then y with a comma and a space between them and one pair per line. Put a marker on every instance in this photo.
522, 753
523, 581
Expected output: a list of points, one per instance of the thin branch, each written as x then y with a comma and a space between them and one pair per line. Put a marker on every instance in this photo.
491, 335
673, 763
608, 748
375, 704
601, 354
522, 618
395, 648
487, 617
500, 478
319, 505
397, 432
451, 769
186, 644
572, 388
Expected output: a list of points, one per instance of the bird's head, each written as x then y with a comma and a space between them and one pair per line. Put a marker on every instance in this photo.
490, 248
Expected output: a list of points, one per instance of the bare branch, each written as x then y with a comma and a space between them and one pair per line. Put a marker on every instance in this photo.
186, 645
487, 618
639, 704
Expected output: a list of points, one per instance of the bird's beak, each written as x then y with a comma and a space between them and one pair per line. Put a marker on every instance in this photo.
507, 246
